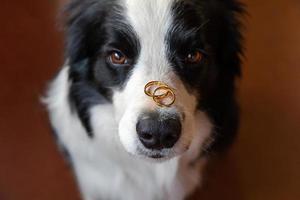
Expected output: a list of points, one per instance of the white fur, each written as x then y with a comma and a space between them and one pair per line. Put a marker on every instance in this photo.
103, 166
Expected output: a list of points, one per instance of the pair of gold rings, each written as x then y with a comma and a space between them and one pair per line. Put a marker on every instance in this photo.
161, 93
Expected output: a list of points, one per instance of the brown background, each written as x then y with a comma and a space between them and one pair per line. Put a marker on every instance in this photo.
264, 164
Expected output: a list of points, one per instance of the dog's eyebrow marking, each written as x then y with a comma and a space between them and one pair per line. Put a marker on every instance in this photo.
179, 27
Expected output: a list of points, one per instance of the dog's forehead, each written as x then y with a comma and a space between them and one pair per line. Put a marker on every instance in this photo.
151, 18
149, 14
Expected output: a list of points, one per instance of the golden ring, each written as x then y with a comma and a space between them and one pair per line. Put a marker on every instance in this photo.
159, 92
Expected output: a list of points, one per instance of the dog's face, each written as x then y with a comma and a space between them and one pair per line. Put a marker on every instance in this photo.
117, 47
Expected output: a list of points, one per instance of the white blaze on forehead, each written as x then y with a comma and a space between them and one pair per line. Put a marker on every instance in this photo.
151, 20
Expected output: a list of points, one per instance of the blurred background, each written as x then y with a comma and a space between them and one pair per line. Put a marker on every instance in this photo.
264, 163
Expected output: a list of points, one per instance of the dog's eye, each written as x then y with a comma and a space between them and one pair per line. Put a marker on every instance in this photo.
118, 58
194, 57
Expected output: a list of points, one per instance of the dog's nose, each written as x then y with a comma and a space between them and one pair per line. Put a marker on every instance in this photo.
157, 132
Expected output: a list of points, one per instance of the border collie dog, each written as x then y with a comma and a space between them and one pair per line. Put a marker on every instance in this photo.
121, 143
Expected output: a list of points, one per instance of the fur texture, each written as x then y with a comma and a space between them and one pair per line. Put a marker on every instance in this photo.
95, 104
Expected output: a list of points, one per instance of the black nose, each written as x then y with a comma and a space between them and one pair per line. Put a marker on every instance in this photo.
158, 132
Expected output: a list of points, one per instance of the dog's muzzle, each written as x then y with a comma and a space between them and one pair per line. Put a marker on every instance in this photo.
162, 94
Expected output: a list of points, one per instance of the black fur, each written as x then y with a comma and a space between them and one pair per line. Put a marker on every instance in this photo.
223, 33
94, 29
212, 27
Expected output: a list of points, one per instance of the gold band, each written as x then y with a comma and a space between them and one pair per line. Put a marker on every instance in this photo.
161, 93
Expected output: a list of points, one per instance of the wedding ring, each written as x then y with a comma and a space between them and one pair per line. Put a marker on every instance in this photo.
161, 93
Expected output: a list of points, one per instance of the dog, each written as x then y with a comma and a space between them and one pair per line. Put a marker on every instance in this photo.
147, 94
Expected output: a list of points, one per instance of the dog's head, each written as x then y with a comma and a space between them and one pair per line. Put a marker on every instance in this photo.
189, 47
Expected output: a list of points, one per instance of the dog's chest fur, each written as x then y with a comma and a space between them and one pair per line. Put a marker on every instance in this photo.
103, 168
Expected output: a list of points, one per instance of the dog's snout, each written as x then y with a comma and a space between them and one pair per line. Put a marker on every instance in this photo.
158, 133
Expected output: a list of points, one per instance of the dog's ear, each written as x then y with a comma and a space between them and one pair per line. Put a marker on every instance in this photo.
83, 29
84, 24
224, 33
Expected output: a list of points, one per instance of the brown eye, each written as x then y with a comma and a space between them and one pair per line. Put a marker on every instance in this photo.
118, 58
194, 57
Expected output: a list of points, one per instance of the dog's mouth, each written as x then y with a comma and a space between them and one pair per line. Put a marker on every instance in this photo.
156, 155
